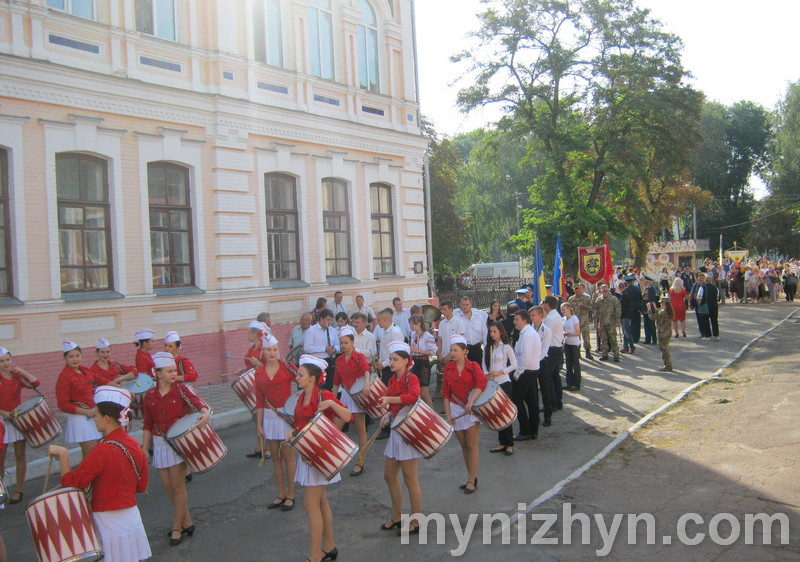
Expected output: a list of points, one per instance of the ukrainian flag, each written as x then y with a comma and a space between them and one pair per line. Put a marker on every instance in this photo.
539, 289
559, 283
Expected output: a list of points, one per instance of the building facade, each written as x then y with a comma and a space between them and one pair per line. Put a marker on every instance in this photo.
186, 164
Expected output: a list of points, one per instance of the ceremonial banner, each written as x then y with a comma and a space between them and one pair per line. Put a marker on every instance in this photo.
738, 256
590, 263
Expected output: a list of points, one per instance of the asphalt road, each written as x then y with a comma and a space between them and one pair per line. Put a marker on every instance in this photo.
229, 503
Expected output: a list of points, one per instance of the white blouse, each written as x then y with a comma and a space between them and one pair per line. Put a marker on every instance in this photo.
425, 342
501, 358
571, 325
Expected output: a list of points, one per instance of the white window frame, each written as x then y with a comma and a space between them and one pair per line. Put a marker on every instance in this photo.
154, 12
363, 52
67, 9
314, 6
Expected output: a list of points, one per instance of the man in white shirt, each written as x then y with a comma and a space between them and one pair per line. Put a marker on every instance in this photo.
321, 340
400, 317
366, 310
385, 333
337, 305
365, 340
555, 355
449, 326
475, 321
524, 384
545, 382
298, 332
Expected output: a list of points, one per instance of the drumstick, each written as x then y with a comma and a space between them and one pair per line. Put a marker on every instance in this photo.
47, 477
229, 356
363, 452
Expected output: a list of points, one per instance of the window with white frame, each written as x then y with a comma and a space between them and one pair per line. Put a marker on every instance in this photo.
267, 35
382, 229
5, 231
283, 243
82, 8
156, 17
368, 48
170, 225
320, 17
336, 225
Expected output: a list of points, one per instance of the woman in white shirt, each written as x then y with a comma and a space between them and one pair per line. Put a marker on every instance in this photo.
423, 347
502, 362
572, 347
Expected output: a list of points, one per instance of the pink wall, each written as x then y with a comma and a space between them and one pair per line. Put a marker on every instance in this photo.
206, 351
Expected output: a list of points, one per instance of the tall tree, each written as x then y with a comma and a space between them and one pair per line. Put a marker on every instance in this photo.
575, 78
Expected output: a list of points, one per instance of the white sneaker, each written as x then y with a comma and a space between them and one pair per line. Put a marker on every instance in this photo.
715, 338
705, 338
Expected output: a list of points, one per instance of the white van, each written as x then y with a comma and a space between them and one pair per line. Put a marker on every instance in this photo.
487, 273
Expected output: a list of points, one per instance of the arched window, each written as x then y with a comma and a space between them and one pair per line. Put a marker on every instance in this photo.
320, 18
368, 48
336, 224
267, 34
382, 229
84, 223
170, 225
282, 227
6, 285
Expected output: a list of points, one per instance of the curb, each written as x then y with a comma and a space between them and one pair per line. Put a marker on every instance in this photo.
38, 468
505, 528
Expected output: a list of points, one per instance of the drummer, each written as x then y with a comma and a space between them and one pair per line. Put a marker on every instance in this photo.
462, 383
110, 370
12, 379
314, 399
423, 346
165, 404
403, 390
350, 366
143, 340
186, 370
75, 395
273, 386
117, 470
253, 360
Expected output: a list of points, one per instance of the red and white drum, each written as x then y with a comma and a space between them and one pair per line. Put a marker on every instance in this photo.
36, 422
3, 492
141, 384
494, 408
370, 403
62, 527
287, 410
201, 448
245, 389
422, 428
323, 445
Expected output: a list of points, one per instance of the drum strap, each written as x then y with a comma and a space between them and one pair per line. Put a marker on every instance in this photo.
119, 367
280, 414
27, 384
187, 401
129, 456
181, 370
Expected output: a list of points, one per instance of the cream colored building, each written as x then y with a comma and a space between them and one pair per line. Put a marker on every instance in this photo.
186, 164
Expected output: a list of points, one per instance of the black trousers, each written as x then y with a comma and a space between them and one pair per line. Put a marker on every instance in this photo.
709, 324
386, 374
555, 358
546, 388
525, 394
329, 373
572, 354
506, 436
475, 353
649, 330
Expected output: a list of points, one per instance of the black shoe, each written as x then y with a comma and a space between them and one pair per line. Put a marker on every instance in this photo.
188, 530
391, 526
411, 531
616, 359
473, 489
275, 505
508, 453
521, 437
358, 472
498, 450
547, 423
534, 437
189, 477
287, 507
560, 407
254, 455
383, 435
13, 501
464, 486
589, 357
604, 358
175, 542
332, 554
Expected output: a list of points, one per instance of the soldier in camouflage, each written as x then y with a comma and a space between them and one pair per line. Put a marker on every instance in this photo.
663, 318
581, 303
606, 311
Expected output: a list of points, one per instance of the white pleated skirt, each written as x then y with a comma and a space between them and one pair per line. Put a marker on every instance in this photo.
309, 476
80, 429
274, 427
399, 450
464, 423
164, 456
122, 534
348, 401
12, 433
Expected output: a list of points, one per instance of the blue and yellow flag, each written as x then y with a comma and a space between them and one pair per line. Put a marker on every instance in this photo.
539, 289
559, 283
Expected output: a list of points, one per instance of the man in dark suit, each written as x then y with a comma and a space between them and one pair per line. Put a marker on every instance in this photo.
631, 301
708, 308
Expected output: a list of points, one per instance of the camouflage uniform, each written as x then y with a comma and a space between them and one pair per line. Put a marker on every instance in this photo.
581, 306
664, 333
607, 312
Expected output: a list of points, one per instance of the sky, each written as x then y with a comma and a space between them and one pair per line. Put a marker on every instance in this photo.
735, 49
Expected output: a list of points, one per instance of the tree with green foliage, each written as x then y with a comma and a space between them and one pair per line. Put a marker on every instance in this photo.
579, 81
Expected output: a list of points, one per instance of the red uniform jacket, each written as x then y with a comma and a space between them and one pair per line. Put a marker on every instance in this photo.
186, 369
11, 391
304, 414
347, 372
275, 390
255, 352
160, 412
407, 388
109, 469
74, 388
459, 385
144, 363
114, 370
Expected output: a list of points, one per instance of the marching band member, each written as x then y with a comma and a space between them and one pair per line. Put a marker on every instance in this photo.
75, 395
143, 340
423, 346
117, 470
172, 345
12, 379
463, 382
108, 369
403, 390
350, 366
165, 404
310, 375
499, 362
253, 360
273, 387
